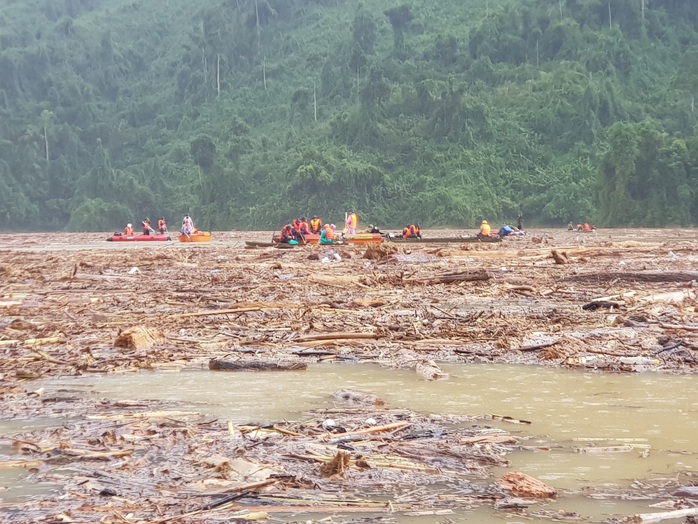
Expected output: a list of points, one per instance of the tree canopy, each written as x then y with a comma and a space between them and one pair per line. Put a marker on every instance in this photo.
247, 113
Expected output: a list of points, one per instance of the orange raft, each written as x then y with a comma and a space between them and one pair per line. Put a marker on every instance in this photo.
199, 236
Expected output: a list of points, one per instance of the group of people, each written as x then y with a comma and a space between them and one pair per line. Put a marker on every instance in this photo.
504, 231
581, 227
296, 232
412, 231
299, 228
147, 227
187, 227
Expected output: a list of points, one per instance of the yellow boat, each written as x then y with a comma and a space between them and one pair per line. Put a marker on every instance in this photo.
199, 236
364, 238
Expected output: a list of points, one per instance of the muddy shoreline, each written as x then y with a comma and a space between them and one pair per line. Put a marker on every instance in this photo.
620, 301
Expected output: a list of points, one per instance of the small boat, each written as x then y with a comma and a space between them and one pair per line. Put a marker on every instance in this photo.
120, 237
444, 240
199, 236
363, 238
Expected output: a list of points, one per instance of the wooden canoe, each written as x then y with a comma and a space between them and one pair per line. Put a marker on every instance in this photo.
445, 240
364, 238
200, 236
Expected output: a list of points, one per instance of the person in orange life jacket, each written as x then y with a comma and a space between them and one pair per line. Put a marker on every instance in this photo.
315, 225
327, 236
406, 232
287, 234
162, 226
587, 227
146, 226
416, 231
128, 230
580, 227
296, 224
304, 229
352, 222
485, 230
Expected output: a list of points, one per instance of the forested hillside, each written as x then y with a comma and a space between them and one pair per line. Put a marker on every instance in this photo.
247, 113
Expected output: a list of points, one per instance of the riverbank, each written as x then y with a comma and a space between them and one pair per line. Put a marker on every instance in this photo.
618, 302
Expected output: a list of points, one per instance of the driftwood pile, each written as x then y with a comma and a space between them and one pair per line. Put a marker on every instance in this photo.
620, 302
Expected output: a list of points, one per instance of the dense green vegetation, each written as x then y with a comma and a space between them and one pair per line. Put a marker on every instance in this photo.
247, 113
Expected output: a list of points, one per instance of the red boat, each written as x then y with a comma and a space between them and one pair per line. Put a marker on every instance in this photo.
119, 237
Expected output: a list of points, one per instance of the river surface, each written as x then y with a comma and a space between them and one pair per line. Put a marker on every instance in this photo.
567, 409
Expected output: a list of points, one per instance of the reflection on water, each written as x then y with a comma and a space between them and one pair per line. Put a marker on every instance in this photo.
565, 408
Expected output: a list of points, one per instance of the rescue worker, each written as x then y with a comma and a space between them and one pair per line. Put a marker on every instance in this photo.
187, 225
287, 234
373, 229
304, 229
580, 227
296, 224
146, 226
416, 231
327, 236
587, 227
406, 233
520, 221
128, 230
352, 222
570, 227
485, 230
162, 226
315, 225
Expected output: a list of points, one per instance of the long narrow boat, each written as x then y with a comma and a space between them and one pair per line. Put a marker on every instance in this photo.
445, 240
199, 236
119, 237
364, 238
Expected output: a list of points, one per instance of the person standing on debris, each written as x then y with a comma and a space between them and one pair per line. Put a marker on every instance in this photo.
352, 223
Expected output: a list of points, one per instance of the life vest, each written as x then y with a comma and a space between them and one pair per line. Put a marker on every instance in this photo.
128, 231
414, 231
329, 233
315, 225
286, 234
297, 225
304, 227
485, 230
146, 225
353, 220
161, 225
406, 232
587, 227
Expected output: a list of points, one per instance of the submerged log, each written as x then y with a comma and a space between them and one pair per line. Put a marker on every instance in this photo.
429, 370
255, 365
137, 337
650, 518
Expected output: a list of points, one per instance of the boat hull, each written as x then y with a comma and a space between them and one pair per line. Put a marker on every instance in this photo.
364, 238
201, 236
446, 240
138, 238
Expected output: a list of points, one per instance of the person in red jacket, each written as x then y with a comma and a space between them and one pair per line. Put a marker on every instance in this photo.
162, 226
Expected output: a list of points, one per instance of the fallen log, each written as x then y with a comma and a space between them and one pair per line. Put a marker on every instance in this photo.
255, 365
637, 276
448, 278
650, 518
523, 485
338, 335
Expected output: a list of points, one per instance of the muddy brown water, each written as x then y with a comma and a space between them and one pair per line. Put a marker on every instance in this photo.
567, 410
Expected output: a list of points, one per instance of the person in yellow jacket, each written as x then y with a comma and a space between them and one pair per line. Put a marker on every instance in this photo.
485, 230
